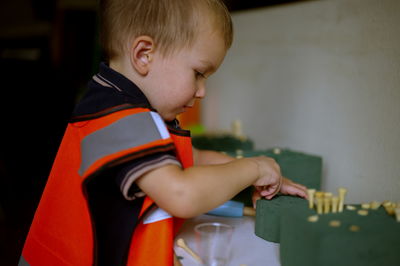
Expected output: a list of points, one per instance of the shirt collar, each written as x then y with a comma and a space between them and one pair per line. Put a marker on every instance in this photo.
111, 78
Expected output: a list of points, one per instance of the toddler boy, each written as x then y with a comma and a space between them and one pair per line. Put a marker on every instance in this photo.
125, 169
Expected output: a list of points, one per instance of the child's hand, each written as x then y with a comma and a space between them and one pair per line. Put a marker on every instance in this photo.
270, 179
291, 188
288, 187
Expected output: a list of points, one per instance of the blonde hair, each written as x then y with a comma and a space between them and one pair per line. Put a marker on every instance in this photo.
172, 24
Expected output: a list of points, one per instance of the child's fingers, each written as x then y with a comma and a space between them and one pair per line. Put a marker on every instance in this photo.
291, 188
269, 197
256, 196
270, 190
295, 191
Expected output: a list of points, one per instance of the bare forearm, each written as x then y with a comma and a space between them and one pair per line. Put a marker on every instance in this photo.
221, 181
196, 190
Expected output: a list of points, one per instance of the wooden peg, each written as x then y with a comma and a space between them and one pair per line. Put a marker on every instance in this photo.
327, 204
335, 201
320, 202
319, 198
397, 213
342, 193
375, 205
181, 243
249, 211
239, 154
310, 194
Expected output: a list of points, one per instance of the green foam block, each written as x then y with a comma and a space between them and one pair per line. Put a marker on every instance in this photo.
300, 167
268, 215
304, 243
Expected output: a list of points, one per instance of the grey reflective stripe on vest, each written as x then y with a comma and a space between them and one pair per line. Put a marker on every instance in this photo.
22, 262
131, 131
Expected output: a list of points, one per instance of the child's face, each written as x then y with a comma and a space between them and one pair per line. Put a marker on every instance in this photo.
177, 80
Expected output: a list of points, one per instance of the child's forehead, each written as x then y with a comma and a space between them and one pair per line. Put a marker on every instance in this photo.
207, 15
208, 23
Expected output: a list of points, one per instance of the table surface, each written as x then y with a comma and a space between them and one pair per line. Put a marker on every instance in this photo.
247, 248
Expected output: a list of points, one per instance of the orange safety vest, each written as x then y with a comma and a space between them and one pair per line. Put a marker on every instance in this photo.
61, 232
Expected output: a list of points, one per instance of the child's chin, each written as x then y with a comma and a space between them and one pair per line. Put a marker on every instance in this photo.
169, 118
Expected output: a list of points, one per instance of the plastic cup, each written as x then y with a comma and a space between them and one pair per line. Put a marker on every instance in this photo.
213, 243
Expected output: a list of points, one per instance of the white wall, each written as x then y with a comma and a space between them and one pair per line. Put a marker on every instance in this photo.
322, 77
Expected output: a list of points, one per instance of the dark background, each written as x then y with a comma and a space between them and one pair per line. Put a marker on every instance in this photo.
48, 51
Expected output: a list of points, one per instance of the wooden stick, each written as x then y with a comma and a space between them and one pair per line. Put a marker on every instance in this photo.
249, 211
181, 243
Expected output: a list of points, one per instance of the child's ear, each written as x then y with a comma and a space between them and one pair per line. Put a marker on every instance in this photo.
141, 54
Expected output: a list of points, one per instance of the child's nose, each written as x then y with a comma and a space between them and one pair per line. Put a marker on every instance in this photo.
201, 91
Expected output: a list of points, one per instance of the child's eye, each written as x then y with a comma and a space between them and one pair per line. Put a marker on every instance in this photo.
199, 74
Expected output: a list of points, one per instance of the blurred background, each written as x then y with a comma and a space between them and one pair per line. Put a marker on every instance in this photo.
320, 76
47, 53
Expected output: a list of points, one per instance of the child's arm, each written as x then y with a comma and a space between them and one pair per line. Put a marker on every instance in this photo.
204, 157
208, 157
196, 190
